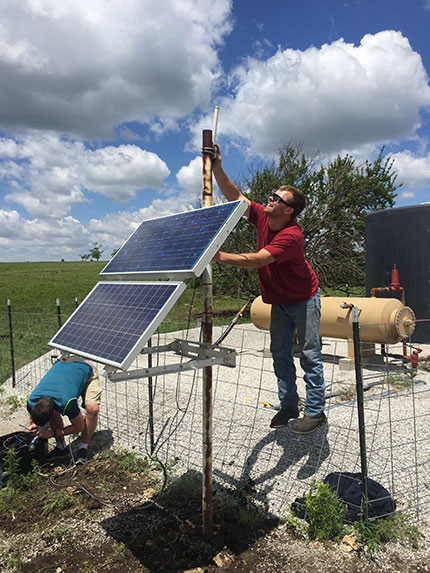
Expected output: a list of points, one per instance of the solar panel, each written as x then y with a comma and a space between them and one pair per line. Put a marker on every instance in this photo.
116, 320
178, 246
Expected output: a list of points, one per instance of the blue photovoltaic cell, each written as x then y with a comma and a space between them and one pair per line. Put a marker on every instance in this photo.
116, 319
174, 246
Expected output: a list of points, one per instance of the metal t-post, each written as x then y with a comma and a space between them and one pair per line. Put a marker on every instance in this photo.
360, 408
207, 339
59, 319
151, 402
12, 353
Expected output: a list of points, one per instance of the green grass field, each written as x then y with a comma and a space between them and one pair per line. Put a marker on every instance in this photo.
33, 289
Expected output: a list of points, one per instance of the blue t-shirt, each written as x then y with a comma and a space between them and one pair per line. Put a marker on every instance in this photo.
64, 383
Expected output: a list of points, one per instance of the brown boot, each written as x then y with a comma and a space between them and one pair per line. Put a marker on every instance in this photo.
307, 425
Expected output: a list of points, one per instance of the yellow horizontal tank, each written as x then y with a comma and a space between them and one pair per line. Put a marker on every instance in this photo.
383, 320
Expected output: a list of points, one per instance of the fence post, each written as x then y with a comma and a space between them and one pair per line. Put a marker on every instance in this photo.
151, 401
76, 302
360, 408
12, 353
60, 322
207, 493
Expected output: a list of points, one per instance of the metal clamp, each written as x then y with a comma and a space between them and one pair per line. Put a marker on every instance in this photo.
210, 151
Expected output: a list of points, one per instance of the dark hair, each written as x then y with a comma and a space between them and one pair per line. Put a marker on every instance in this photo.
298, 199
42, 411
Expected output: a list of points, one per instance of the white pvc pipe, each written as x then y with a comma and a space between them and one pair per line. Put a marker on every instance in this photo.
215, 124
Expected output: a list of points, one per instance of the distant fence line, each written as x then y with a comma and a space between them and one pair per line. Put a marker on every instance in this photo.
15, 327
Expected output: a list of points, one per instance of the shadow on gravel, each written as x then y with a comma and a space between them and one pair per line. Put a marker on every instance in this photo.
306, 453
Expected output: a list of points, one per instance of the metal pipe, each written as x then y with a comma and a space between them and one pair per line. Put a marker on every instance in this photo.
230, 327
151, 402
360, 410
12, 353
394, 287
207, 339
401, 290
59, 320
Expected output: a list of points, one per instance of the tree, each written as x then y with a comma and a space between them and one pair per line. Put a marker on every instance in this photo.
338, 196
95, 252
85, 256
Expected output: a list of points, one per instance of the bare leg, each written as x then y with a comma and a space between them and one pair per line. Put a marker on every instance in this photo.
92, 413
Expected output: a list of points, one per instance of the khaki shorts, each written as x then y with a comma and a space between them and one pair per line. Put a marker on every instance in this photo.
93, 390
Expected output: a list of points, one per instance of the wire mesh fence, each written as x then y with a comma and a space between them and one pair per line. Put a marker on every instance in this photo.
163, 415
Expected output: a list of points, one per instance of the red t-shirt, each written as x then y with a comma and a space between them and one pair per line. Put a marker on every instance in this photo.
290, 279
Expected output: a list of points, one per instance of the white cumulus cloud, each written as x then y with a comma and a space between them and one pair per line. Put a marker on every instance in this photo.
83, 67
41, 239
47, 174
336, 97
190, 177
412, 169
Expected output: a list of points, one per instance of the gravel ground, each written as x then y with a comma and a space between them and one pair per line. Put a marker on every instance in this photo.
276, 465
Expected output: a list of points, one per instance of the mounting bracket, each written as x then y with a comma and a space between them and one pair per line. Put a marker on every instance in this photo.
201, 355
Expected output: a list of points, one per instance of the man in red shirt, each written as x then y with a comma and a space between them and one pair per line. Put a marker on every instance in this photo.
289, 284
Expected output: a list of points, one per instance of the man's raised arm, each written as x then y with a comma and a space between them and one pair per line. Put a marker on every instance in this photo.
229, 189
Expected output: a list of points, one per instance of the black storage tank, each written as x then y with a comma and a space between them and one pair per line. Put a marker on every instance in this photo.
401, 238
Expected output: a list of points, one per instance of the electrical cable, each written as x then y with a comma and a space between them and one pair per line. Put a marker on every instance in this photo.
52, 476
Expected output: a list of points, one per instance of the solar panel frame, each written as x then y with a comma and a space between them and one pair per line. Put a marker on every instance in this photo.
119, 265
91, 316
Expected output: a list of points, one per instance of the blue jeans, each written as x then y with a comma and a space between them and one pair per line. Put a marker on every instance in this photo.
285, 320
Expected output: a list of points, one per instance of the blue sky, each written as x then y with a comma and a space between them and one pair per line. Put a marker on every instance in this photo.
102, 104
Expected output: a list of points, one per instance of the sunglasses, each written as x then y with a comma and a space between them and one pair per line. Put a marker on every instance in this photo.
278, 199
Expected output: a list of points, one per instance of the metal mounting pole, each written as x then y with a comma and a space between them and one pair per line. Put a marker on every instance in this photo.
59, 319
360, 408
12, 353
207, 339
151, 402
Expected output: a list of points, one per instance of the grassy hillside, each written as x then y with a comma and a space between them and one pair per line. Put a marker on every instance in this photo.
34, 287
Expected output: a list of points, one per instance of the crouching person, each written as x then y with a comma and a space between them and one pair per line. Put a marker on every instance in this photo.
57, 395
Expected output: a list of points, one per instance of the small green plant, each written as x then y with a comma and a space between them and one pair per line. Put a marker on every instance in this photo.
399, 380
15, 562
13, 402
397, 527
187, 488
424, 363
56, 500
233, 509
14, 496
15, 480
324, 513
124, 460
63, 532
347, 394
